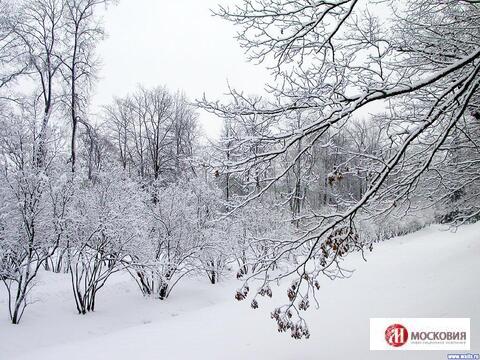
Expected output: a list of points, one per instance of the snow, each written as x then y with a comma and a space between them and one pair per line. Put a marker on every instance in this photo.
431, 273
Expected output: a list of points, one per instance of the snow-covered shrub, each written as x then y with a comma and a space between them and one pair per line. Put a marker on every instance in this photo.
60, 194
214, 229
255, 225
181, 238
26, 233
106, 223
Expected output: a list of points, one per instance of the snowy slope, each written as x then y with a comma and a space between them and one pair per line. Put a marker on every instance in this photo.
432, 273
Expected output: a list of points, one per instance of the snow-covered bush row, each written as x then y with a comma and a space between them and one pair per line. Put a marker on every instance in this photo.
393, 224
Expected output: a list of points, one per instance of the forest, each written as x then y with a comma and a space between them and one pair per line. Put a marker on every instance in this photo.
368, 129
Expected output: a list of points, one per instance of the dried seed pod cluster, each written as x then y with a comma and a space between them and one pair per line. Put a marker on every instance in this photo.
304, 304
285, 322
339, 241
242, 293
265, 291
335, 176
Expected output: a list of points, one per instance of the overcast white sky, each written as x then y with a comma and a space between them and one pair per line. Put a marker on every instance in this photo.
176, 43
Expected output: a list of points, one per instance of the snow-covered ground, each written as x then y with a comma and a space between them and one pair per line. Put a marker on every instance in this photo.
432, 273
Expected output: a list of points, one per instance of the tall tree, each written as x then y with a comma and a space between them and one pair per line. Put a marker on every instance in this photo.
83, 31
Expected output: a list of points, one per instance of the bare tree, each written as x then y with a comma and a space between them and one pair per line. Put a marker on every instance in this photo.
38, 29
155, 133
13, 62
83, 31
